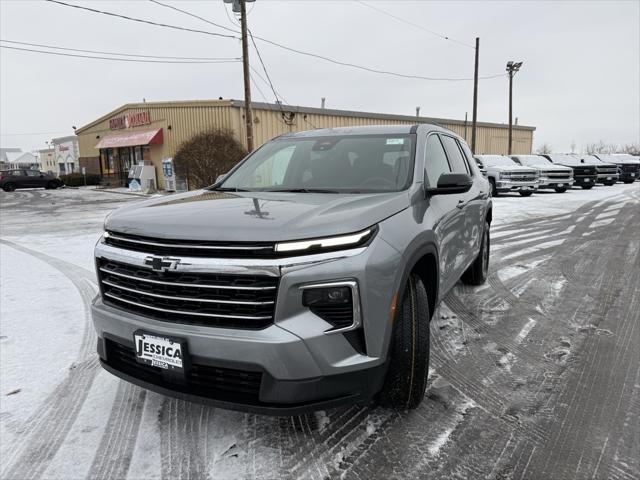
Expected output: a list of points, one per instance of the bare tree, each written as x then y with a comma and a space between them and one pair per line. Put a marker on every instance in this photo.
573, 146
543, 149
206, 155
600, 147
631, 149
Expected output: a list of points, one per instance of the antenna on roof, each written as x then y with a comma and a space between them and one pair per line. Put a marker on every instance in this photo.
417, 111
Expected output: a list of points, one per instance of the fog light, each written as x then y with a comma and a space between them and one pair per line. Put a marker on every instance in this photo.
337, 303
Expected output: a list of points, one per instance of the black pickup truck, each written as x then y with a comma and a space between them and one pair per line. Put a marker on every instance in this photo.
628, 168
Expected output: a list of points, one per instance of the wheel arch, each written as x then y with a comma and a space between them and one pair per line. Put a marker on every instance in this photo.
424, 263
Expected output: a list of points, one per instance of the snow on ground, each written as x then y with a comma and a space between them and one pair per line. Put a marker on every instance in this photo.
106, 428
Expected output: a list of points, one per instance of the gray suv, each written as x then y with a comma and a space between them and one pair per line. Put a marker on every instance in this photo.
304, 279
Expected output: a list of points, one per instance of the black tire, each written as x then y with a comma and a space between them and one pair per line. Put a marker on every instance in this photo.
586, 187
477, 272
610, 184
494, 189
528, 193
406, 378
52, 185
560, 189
628, 181
9, 187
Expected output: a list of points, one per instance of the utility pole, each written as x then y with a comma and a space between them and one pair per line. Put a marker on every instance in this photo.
247, 79
512, 68
475, 98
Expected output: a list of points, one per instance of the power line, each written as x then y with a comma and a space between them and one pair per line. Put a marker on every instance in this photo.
133, 19
196, 16
279, 45
61, 54
403, 20
32, 133
264, 68
120, 54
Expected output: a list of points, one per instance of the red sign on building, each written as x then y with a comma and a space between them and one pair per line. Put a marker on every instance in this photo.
130, 120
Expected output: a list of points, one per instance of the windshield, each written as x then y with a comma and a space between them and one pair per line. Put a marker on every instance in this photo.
532, 160
495, 160
331, 164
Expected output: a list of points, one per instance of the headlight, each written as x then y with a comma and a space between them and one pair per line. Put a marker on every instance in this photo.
328, 243
505, 174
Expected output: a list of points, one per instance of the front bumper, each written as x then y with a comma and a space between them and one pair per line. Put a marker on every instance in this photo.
505, 185
548, 182
628, 176
585, 180
301, 366
607, 178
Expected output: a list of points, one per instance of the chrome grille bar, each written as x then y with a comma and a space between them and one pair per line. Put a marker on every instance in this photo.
180, 312
180, 284
110, 235
185, 299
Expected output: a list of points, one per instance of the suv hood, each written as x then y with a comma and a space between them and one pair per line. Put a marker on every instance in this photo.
255, 216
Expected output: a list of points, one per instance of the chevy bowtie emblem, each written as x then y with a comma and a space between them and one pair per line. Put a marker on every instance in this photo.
161, 264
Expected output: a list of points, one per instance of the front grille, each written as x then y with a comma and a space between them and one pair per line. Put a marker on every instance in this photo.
190, 248
557, 175
607, 170
523, 178
203, 380
630, 168
210, 299
584, 171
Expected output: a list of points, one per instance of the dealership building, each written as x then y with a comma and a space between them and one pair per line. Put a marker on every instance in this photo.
149, 132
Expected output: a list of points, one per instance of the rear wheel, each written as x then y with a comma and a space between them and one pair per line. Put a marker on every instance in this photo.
9, 187
526, 194
561, 189
52, 185
406, 378
586, 187
494, 189
476, 274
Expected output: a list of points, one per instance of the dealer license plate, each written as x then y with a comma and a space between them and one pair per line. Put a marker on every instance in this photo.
608, 178
561, 184
163, 352
633, 174
587, 180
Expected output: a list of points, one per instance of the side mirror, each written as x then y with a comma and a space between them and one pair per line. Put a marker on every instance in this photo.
219, 178
449, 183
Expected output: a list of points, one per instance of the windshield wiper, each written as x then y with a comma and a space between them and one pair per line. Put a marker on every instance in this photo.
303, 190
228, 189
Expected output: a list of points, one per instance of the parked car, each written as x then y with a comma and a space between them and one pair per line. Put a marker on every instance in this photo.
551, 176
628, 166
585, 174
607, 172
12, 179
481, 167
304, 279
505, 175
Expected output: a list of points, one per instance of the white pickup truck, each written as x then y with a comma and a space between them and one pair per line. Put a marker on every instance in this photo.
505, 175
551, 176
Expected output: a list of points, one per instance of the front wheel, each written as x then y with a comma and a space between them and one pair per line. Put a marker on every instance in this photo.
406, 378
527, 193
52, 185
561, 189
629, 181
586, 187
9, 187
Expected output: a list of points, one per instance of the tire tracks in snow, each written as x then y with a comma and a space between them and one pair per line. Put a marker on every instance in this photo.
44, 432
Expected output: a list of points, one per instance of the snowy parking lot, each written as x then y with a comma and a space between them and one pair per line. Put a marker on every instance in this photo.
535, 374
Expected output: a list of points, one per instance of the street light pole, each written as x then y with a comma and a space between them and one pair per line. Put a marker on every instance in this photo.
512, 68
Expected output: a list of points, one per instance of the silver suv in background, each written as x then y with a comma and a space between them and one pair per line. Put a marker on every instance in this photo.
505, 175
552, 176
304, 279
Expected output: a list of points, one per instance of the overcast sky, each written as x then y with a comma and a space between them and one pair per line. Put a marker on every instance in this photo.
580, 80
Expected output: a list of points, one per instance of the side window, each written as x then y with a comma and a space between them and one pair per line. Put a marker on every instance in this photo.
32, 173
466, 153
458, 164
436, 161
